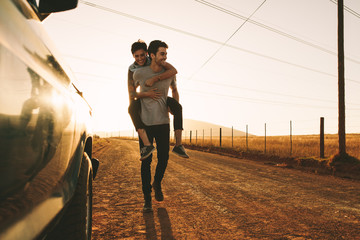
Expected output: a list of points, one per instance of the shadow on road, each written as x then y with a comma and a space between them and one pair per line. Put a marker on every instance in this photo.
165, 224
150, 225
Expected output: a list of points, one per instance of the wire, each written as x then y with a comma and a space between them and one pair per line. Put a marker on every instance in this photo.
222, 45
231, 46
210, 40
272, 29
348, 9
146, 21
268, 102
268, 92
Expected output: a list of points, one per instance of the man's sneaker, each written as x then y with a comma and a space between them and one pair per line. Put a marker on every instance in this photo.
180, 150
146, 151
148, 205
159, 196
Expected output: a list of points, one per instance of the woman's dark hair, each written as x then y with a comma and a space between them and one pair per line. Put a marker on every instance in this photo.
140, 44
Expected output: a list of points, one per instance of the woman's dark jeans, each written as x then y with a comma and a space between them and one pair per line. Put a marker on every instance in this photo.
175, 108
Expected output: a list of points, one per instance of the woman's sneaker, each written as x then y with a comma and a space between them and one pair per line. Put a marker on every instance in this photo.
180, 150
146, 151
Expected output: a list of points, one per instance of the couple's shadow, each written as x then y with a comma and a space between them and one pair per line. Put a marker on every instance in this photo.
165, 224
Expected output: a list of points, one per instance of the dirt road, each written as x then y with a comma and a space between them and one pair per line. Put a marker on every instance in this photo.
216, 197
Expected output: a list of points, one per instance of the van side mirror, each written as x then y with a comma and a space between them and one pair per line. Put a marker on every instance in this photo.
50, 6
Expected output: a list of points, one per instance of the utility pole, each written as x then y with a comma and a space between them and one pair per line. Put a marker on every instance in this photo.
341, 80
322, 137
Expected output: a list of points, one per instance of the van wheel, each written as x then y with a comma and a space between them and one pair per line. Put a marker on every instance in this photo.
76, 223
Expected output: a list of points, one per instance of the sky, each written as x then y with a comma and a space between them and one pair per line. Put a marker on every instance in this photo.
240, 62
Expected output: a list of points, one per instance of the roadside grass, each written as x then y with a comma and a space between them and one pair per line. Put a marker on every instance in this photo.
299, 146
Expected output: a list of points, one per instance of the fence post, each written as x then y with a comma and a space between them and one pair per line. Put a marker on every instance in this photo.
247, 141
203, 137
232, 136
196, 137
190, 136
210, 136
265, 139
220, 137
322, 147
290, 138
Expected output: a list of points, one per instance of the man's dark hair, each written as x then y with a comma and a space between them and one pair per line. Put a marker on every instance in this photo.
155, 45
138, 45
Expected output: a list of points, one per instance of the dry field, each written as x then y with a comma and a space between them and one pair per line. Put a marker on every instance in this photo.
301, 146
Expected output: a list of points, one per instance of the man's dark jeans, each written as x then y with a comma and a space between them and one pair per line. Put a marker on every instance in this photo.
161, 134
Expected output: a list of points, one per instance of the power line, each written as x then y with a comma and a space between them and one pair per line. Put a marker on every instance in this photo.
268, 92
146, 21
256, 100
348, 9
268, 102
271, 29
211, 40
222, 45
